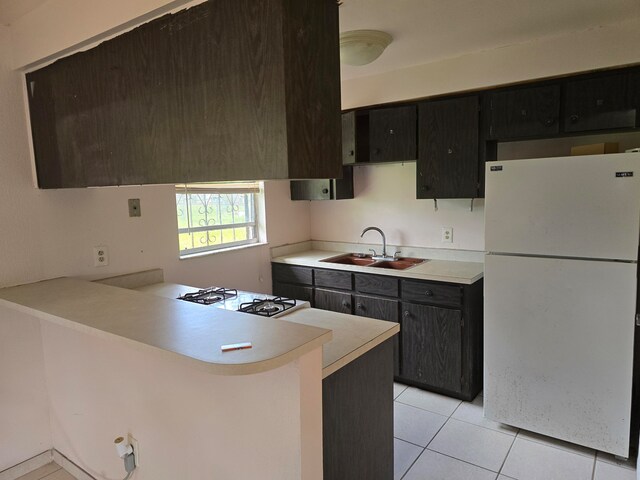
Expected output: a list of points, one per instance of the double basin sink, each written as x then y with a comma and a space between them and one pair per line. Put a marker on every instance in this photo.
361, 260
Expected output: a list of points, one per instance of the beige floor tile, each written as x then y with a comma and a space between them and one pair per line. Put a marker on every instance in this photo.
473, 413
415, 425
434, 466
430, 401
398, 388
404, 454
608, 471
554, 442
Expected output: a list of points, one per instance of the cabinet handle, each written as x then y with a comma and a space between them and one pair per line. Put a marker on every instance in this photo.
549, 121
359, 306
523, 112
429, 293
450, 150
391, 131
325, 190
574, 118
425, 188
346, 304
351, 153
406, 314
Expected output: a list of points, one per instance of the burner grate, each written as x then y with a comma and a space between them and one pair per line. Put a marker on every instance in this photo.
267, 307
209, 295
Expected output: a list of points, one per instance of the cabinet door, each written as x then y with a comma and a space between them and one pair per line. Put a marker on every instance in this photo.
348, 138
600, 103
334, 301
448, 158
296, 292
634, 93
310, 189
525, 112
432, 346
392, 134
381, 309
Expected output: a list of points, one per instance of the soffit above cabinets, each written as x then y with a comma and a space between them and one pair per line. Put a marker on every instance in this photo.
426, 31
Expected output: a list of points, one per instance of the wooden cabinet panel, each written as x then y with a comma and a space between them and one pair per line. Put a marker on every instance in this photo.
292, 274
432, 346
381, 309
598, 103
430, 292
349, 138
296, 292
448, 157
357, 418
525, 112
333, 300
224, 90
333, 279
634, 94
331, 189
376, 284
392, 134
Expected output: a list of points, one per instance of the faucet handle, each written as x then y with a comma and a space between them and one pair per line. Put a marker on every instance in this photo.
373, 252
397, 254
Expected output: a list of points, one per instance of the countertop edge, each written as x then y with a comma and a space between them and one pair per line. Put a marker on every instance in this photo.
209, 367
384, 272
358, 352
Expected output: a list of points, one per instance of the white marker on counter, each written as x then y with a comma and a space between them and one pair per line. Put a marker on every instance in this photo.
235, 346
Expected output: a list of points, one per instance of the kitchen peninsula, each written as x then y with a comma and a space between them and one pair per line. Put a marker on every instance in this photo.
120, 360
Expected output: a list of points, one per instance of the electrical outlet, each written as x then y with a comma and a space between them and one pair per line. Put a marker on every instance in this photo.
447, 235
136, 448
100, 256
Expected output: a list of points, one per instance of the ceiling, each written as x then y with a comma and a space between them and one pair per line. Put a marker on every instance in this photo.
425, 31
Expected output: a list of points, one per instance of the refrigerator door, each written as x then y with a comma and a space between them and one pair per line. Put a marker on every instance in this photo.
584, 207
559, 348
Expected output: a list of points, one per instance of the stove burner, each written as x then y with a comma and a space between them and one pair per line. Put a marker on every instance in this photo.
209, 295
267, 307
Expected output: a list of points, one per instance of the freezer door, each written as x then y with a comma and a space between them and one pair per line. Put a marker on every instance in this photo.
559, 348
585, 207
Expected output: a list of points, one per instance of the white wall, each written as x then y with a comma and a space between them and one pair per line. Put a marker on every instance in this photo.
385, 196
189, 424
24, 405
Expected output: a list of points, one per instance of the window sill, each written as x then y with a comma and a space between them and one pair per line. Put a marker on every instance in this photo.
222, 250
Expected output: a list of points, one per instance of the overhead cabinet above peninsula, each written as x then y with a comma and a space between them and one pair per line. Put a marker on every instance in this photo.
225, 90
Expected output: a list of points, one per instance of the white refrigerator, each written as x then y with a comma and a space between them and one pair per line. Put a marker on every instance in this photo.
561, 236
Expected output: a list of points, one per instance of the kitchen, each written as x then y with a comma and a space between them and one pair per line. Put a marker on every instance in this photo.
53, 232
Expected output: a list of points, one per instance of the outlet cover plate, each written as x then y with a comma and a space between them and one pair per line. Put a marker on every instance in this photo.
100, 256
447, 235
134, 207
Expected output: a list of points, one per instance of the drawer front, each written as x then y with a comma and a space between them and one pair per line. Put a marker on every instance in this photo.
290, 274
334, 301
333, 279
297, 292
376, 284
434, 293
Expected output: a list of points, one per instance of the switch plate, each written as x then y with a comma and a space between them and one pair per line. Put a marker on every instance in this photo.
447, 235
100, 256
134, 207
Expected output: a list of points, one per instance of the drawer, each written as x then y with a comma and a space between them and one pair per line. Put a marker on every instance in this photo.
376, 284
297, 292
333, 279
289, 274
434, 293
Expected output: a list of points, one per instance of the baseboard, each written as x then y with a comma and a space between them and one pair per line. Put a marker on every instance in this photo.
40, 460
70, 467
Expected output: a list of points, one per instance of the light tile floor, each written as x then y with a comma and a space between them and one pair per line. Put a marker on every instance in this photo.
50, 471
440, 438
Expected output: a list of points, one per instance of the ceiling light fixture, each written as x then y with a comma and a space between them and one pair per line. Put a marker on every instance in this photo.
361, 47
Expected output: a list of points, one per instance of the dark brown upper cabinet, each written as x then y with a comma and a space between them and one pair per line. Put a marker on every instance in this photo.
524, 112
225, 90
448, 160
634, 93
326, 189
392, 134
349, 138
598, 103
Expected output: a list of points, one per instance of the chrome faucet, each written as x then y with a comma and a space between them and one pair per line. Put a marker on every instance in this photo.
384, 244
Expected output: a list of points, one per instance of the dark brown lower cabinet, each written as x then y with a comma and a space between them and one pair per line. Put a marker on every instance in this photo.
293, 291
432, 345
334, 301
439, 347
381, 309
357, 418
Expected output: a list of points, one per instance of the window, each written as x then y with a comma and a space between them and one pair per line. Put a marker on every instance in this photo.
212, 216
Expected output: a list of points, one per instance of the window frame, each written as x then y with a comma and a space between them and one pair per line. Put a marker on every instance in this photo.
226, 188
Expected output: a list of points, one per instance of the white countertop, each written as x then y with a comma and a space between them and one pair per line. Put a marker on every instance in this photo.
173, 328
352, 336
438, 270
